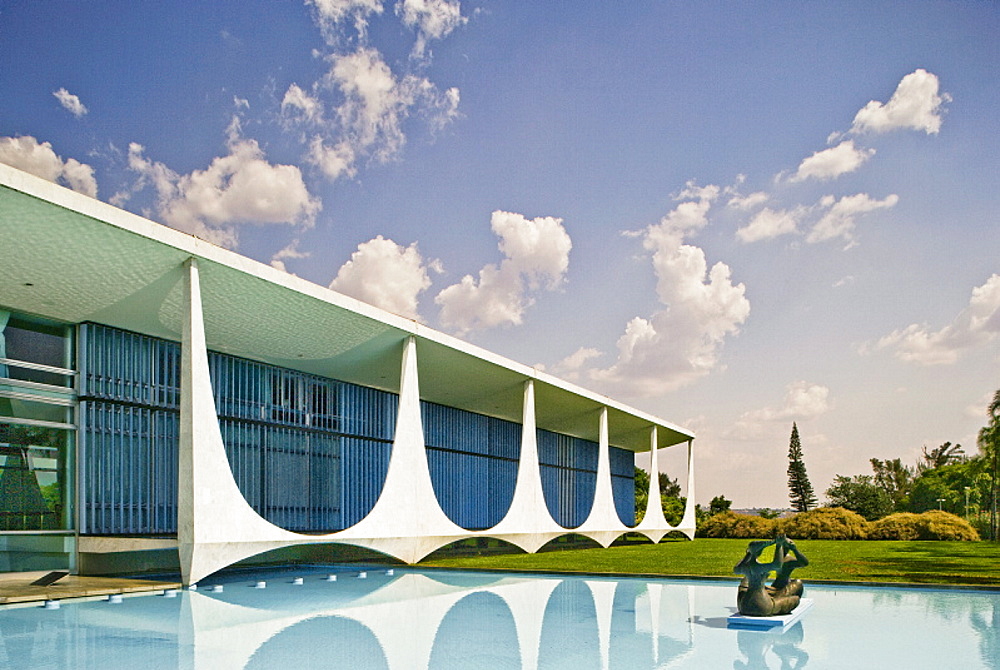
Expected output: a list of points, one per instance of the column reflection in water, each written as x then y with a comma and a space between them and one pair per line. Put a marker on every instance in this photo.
441, 620
405, 621
414, 619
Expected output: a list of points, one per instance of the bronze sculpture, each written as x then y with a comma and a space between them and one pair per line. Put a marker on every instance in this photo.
755, 598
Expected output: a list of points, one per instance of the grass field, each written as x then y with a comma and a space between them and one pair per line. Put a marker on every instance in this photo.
968, 563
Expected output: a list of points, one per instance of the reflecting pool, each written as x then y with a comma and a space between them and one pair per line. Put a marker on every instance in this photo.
410, 619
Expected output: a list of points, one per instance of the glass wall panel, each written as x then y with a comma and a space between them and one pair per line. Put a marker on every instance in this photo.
30, 347
623, 484
36, 423
473, 463
34, 477
33, 409
308, 453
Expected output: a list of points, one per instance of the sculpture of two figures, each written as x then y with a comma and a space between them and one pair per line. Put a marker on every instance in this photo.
755, 598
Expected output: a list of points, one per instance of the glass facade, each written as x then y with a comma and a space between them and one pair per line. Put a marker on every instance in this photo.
309, 454
473, 463
569, 476
36, 424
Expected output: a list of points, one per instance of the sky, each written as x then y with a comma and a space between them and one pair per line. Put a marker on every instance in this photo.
734, 216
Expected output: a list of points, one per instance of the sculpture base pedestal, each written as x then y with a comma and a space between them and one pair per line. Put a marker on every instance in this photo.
769, 622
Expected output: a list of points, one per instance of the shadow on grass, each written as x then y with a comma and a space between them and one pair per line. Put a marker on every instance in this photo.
932, 562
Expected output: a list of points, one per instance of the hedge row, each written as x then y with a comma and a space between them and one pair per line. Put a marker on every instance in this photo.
837, 523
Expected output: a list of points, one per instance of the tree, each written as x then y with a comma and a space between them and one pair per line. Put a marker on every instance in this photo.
895, 479
946, 454
989, 445
860, 494
719, 505
800, 491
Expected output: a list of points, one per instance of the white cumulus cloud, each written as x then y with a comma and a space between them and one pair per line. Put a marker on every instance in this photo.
70, 102
917, 104
747, 202
238, 188
537, 257
299, 105
768, 223
330, 14
368, 105
839, 219
385, 274
701, 307
289, 252
432, 19
28, 154
571, 366
362, 108
833, 162
975, 325
803, 400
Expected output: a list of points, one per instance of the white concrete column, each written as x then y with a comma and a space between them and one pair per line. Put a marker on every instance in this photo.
654, 524
215, 524
528, 523
688, 523
407, 521
199, 426
603, 524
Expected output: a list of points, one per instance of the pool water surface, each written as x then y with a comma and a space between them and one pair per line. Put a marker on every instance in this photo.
411, 619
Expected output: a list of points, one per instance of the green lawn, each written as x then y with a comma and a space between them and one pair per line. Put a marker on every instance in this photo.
970, 563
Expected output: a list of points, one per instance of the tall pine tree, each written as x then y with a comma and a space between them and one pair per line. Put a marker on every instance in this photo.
800, 491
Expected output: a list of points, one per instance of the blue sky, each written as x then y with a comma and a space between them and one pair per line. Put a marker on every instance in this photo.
734, 216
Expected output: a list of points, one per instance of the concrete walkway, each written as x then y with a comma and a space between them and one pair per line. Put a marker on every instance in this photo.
15, 587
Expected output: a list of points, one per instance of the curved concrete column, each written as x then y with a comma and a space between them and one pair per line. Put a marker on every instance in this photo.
528, 523
213, 518
689, 522
407, 521
653, 525
603, 524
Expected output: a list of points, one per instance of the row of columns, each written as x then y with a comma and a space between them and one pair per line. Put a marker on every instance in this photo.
217, 527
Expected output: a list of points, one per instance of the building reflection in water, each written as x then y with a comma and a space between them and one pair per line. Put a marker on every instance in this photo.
446, 620
413, 619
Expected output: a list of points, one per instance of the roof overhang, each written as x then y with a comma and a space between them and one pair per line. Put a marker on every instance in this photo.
70, 257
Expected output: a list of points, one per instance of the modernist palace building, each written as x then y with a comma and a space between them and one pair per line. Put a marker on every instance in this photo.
165, 403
